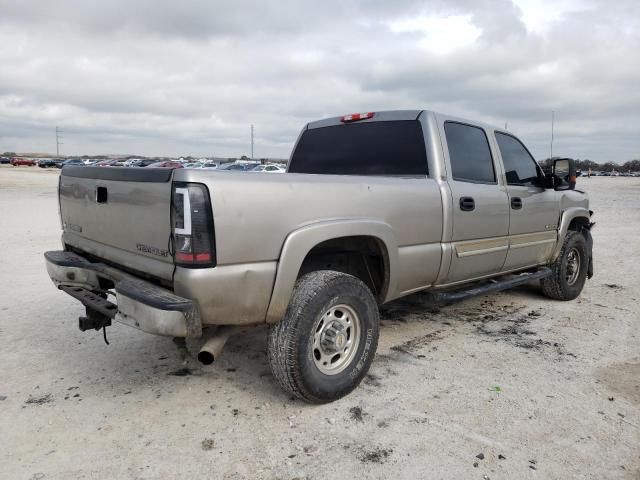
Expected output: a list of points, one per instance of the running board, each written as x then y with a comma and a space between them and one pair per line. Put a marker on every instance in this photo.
445, 298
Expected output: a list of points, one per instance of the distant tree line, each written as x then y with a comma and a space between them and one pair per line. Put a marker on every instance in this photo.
584, 165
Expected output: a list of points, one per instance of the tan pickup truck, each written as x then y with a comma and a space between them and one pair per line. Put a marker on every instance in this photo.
373, 206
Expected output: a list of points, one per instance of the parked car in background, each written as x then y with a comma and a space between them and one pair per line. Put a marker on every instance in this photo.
71, 162
238, 167
209, 165
93, 161
145, 162
4, 160
268, 169
132, 162
166, 164
16, 161
193, 165
50, 162
105, 163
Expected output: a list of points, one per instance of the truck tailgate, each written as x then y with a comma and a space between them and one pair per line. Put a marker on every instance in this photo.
121, 215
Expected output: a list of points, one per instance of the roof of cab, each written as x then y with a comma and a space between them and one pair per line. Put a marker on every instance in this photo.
391, 115
384, 116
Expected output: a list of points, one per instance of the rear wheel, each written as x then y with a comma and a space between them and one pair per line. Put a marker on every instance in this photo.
569, 270
325, 343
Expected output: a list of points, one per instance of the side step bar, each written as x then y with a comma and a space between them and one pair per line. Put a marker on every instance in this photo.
445, 298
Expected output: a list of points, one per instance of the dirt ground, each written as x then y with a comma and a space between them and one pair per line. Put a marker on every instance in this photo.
506, 386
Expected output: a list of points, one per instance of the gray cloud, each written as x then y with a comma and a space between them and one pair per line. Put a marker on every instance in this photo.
166, 77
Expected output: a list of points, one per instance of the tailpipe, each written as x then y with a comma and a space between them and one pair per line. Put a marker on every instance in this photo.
212, 348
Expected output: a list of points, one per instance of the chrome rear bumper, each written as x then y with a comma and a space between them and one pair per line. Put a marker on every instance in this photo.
139, 304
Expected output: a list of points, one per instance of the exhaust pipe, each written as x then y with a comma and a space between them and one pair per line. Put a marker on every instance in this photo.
212, 349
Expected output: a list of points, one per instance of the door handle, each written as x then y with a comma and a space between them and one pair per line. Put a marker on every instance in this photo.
467, 204
516, 203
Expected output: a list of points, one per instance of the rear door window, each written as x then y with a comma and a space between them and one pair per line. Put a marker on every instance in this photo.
519, 165
469, 152
371, 148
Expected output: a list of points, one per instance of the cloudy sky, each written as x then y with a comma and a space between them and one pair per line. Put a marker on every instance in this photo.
167, 77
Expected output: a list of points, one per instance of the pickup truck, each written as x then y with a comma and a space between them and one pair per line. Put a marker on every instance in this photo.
373, 207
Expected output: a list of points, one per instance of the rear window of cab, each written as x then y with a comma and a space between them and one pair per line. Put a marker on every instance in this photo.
371, 148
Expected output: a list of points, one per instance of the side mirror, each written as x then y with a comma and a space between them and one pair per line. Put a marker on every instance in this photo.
564, 174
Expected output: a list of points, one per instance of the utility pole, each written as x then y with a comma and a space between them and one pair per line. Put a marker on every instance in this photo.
252, 141
553, 114
58, 140
506, 126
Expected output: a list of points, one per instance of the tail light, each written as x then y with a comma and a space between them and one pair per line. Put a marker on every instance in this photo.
59, 201
193, 235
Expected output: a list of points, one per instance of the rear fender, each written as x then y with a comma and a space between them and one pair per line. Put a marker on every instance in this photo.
300, 242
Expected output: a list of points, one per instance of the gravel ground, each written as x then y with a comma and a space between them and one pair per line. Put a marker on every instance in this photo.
505, 386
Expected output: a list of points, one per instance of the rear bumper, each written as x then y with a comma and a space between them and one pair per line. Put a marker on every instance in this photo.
139, 304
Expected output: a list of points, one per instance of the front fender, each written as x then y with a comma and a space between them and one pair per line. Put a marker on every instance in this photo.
565, 220
301, 241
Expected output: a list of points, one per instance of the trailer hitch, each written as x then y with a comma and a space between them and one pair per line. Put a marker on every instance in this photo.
95, 321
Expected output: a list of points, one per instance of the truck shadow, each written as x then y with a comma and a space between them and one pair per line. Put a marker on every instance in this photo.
421, 305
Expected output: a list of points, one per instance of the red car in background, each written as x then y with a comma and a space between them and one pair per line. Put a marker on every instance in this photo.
105, 163
15, 161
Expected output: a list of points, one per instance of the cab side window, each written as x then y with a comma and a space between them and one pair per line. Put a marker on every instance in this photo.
469, 152
519, 165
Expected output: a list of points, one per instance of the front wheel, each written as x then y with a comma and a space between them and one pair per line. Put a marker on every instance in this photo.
569, 270
323, 347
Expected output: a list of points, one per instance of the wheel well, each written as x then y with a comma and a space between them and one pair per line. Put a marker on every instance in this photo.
579, 223
363, 257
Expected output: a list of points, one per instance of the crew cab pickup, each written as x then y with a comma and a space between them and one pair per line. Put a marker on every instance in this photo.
373, 207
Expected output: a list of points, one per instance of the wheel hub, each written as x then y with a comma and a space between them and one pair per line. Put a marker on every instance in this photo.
333, 338
573, 266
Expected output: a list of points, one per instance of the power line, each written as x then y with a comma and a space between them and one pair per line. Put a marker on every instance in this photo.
58, 140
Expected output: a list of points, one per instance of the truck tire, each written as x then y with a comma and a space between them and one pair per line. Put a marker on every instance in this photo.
324, 345
569, 270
